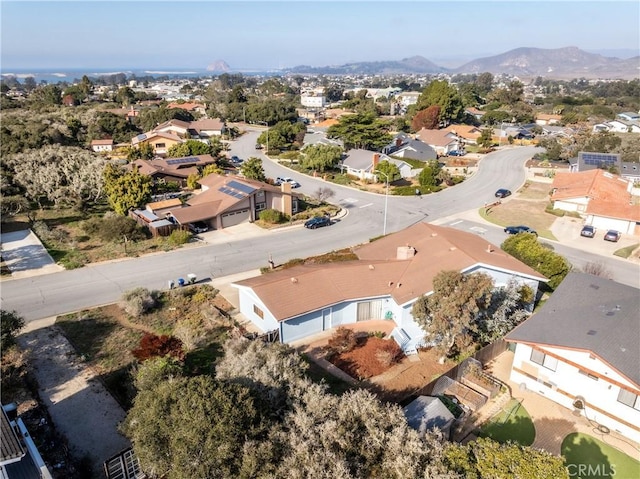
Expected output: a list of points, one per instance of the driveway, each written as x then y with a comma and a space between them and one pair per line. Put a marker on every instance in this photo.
24, 254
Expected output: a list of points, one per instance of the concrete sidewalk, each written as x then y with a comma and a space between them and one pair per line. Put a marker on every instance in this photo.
25, 255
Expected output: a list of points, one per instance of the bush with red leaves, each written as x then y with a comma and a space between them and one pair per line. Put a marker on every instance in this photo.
152, 346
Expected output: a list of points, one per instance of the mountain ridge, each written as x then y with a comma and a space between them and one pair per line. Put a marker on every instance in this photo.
565, 62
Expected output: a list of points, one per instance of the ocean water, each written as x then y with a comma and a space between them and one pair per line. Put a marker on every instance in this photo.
53, 76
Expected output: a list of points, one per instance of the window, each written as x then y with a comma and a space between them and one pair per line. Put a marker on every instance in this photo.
628, 398
160, 145
261, 206
258, 312
542, 359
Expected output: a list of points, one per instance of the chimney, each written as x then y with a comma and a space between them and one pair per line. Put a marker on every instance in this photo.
405, 252
376, 160
398, 142
287, 201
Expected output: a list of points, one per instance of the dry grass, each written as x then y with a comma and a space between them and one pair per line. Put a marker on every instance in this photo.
526, 207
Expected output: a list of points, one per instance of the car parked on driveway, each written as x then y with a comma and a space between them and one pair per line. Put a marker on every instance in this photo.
502, 193
317, 222
457, 153
612, 235
199, 227
514, 230
588, 231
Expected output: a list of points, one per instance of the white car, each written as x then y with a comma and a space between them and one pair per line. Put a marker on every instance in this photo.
292, 182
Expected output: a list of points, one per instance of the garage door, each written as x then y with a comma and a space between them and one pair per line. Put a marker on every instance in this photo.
235, 218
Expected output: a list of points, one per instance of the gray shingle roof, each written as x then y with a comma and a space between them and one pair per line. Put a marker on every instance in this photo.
590, 313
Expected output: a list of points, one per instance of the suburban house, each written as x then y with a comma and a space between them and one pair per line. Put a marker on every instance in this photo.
442, 141
581, 351
177, 127
160, 141
628, 116
603, 199
390, 274
469, 134
190, 107
362, 163
198, 129
230, 200
19, 456
548, 119
175, 170
100, 146
587, 160
474, 112
403, 146
319, 137
313, 100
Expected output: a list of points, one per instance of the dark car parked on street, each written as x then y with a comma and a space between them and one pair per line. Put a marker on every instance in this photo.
588, 231
612, 235
514, 230
502, 193
317, 222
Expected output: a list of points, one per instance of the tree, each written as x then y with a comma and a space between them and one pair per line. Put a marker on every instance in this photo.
429, 176
253, 170
485, 139
62, 175
449, 314
189, 148
484, 82
321, 157
10, 325
526, 248
361, 131
428, 118
602, 142
323, 193
125, 96
440, 93
193, 428
487, 458
505, 311
553, 147
144, 151
388, 171
127, 190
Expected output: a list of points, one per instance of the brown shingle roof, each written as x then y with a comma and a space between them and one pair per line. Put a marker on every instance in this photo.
199, 212
378, 272
102, 142
207, 124
435, 137
159, 205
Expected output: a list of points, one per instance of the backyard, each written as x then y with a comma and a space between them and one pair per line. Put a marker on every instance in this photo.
586, 456
512, 423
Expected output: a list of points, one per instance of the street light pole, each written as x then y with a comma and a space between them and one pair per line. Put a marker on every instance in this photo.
386, 202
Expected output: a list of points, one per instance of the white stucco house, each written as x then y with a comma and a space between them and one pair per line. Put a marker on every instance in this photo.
581, 351
390, 274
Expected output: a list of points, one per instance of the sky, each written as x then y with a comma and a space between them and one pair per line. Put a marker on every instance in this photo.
262, 35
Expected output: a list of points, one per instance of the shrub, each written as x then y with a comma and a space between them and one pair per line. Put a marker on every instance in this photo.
10, 325
273, 216
551, 210
139, 301
152, 346
178, 237
389, 354
114, 228
342, 341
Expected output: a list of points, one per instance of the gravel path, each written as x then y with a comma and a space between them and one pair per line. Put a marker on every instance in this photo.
79, 405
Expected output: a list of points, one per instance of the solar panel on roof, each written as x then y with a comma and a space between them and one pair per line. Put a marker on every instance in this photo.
141, 137
182, 161
241, 187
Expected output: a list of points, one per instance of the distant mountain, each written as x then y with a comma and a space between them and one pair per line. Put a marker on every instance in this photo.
218, 66
568, 62
416, 64
560, 63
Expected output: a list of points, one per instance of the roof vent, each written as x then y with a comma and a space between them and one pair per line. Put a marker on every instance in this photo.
372, 267
294, 280
398, 285
489, 249
434, 234
591, 332
390, 283
405, 252
453, 248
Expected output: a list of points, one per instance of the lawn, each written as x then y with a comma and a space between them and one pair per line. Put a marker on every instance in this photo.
511, 424
586, 456
526, 207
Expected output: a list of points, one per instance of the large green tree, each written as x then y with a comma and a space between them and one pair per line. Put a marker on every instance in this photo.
449, 315
193, 147
440, 93
253, 170
126, 190
387, 171
527, 248
430, 175
193, 428
361, 131
321, 157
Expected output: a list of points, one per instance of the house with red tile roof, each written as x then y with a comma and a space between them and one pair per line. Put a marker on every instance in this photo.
230, 200
603, 199
189, 106
390, 274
